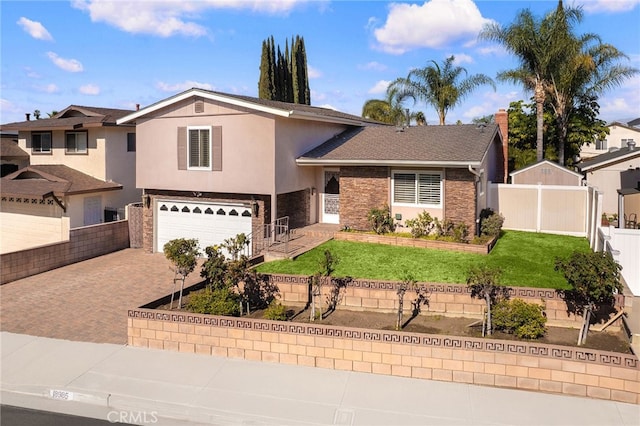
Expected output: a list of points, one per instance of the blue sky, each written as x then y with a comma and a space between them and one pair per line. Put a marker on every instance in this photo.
118, 54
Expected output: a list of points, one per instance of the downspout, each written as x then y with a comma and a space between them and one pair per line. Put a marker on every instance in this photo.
476, 215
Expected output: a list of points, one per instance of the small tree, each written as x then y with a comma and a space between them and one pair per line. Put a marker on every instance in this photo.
484, 284
183, 254
408, 282
327, 265
214, 269
594, 278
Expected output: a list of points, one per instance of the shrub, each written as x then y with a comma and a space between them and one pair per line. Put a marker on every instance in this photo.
380, 220
491, 223
221, 301
421, 226
276, 311
448, 230
525, 320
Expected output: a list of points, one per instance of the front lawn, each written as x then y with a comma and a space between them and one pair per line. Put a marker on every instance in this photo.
526, 259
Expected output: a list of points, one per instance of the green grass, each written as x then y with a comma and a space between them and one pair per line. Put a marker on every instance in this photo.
526, 259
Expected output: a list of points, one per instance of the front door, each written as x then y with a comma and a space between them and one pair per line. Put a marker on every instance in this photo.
331, 197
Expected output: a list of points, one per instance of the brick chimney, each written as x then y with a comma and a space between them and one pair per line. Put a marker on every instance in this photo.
502, 120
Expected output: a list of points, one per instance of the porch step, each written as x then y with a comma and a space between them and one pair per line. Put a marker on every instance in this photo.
301, 240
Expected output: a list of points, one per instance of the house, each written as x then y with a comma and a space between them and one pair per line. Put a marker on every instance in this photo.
40, 204
12, 157
619, 134
213, 165
617, 175
546, 172
81, 157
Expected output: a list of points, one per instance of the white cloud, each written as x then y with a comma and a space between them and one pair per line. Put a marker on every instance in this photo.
169, 18
35, 29
488, 103
462, 58
8, 107
48, 88
31, 73
90, 89
609, 6
495, 49
71, 65
313, 72
185, 85
373, 66
435, 24
379, 87
328, 106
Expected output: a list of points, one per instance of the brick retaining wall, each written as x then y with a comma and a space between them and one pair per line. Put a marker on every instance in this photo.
84, 243
521, 365
414, 242
445, 299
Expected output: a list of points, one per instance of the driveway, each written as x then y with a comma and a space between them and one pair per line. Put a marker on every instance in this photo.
87, 301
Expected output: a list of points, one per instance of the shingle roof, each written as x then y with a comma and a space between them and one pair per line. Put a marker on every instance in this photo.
67, 119
9, 150
439, 145
61, 180
608, 157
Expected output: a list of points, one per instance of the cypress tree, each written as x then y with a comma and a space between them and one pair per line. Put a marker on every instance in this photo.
283, 76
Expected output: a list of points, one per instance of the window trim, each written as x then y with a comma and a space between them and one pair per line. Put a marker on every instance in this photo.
416, 174
210, 129
40, 152
130, 140
76, 152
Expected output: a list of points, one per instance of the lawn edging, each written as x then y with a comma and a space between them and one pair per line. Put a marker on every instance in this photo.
481, 361
394, 240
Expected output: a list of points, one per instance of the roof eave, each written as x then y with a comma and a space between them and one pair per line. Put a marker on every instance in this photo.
390, 163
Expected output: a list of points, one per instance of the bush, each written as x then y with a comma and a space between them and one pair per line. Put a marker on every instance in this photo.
276, 311
380, 220
449, 231
221, 301
491, 223
525, 320
421, 226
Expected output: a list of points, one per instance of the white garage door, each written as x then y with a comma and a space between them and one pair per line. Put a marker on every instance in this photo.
210, 224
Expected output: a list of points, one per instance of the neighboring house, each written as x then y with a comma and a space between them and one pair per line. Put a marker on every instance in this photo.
617, 175
12, 157
619, 134
79, 145
546, 172
213, 165
41, 203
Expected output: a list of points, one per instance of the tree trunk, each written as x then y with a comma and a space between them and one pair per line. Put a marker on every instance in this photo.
400, 307
181, 290
586, 318
539, 99
489, 326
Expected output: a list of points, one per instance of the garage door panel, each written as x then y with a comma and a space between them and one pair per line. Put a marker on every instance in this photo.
209, 223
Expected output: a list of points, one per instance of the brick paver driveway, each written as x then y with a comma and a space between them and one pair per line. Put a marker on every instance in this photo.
87, 301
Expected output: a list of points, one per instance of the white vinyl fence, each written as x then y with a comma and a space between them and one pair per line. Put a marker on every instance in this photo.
566, 210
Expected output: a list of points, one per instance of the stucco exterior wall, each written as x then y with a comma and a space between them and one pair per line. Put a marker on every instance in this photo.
611, 178
27, 225
613, 140
546, 174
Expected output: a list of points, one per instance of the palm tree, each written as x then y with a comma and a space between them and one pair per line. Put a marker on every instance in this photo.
389, 110
539, 46
589, 68
441, 86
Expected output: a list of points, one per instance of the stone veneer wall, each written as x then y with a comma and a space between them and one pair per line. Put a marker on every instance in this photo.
296, 205
264, 209
84, 243
361, 189
444, 299
460, 198
511, 364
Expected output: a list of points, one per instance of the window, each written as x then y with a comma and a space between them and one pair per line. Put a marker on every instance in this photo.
131, 142
199, 147
417, 188
76, 142
41, 142
601, 144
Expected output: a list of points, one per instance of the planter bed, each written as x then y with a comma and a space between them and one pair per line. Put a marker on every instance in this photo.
415, 242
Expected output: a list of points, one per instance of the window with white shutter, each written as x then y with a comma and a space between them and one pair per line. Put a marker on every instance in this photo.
417, 188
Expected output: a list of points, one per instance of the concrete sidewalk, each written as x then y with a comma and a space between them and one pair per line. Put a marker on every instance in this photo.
144, 386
